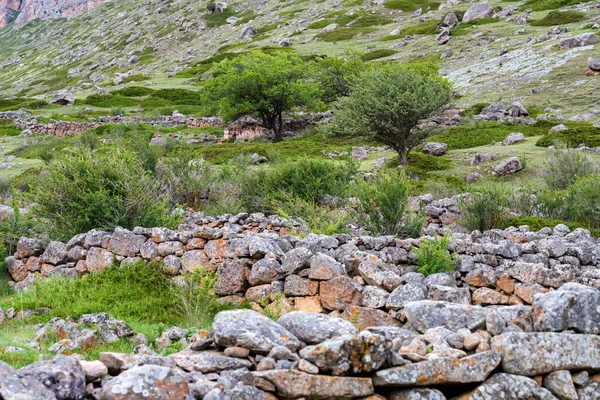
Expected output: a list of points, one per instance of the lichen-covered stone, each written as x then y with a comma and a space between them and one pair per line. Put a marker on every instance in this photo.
313, 328
207, 361
426, 314
532, 354
475, 368
508, 387
13, 387
62, 375
148, 381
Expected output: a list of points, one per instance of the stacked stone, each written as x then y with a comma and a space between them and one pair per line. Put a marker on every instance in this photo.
56, 128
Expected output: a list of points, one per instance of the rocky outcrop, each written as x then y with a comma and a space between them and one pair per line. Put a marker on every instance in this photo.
25, 11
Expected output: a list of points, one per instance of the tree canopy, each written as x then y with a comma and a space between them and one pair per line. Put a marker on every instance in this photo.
387, 103
263, 85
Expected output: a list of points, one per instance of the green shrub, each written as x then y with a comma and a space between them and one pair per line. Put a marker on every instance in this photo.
410, 5
583, 201
575, 136
541, 5
321, 24
102, 190
563, 167
342, 34
474, 109
319, 219
380, 53
382, 205
486, 208
537, 223
109, 101
133, 91
433, 256
559, 18
218, 19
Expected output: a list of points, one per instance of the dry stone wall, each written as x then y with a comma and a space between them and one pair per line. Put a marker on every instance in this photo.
519, 318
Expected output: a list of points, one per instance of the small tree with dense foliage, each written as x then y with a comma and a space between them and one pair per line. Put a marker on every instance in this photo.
387, 103
262, 85
337, 74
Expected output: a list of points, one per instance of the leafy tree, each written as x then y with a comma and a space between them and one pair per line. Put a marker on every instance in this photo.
263, 85
387, 103
337, 74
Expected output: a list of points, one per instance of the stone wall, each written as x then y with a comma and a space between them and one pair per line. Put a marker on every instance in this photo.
518, 319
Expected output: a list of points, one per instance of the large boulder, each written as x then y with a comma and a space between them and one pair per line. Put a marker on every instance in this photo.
294, 385
513, 138
572, 306
27, 247
475, 368
313, 328
55, 253
98, 259
435, 149
125, 243
508, 387
532, 354
64, 98
411, 291
349, 354
477, 11
63, 376
340, 293
251, 330
508, 166
13, 386
426, 314
148, 382
587, 39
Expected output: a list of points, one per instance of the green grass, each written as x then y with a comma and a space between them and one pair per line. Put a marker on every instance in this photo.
216, 20
342, 34
466, 28
541, 5
133, 91
410, 5
321, 24
577, 134
537, 223
483, 133
380, 53
559, 18
424, 28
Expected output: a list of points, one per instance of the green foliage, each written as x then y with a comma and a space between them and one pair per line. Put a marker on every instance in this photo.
388, 102
482, 134
433, 256
341, 34
178, 96
537, 223
336, 74
583, 201
466, 28
380, 53
409, 5
321, 24
559, 18
264, 85
575, 136
218, 19
486, 208
541, 5
102, 190
382, 205
109, 101
474, 109
564, 167
133, 91
319, 219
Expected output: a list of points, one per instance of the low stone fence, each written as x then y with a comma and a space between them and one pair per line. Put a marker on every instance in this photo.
55, 128
517, 319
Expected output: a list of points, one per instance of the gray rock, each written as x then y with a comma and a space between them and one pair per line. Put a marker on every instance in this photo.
207, 361
55, 253
265, 271
324, 267
125, 243
148, 381
379, 275
436, 149
63, 376
426, 314
572, 306
477, 11
296, 260
560, 384
405, 294
313, 328
14, 387
513, 138
349, 354
251, 330
594, 63
475, 368
416, 394
508, 166
64, 98
373, 297
29, 247
587, 39
449, 294
295, 384
201, 340
532, 354
509, 387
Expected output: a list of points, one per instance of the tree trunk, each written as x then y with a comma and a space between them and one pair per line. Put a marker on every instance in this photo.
278, 127
403, 158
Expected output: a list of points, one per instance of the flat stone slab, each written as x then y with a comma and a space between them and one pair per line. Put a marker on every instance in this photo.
532, 354
475, 368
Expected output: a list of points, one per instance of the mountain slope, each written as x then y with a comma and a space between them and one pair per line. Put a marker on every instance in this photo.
493, 58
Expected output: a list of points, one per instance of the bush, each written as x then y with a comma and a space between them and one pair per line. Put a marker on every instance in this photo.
559, 18
319, 219
563, 167
410, 5
133, 91
380, 53
382, 205
433, 256
541, 5
341, 34
101, 190
583, 201
575, 136
485, 209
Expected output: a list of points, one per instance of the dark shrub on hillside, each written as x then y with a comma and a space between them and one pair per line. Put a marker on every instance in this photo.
559, 18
